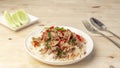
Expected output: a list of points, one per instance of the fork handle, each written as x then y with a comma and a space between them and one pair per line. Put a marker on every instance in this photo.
117, 44
113, 34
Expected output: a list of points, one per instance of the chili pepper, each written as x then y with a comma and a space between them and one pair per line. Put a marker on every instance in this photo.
65, 40
60, 41
51, 27
61, 32
79, 38
35, 43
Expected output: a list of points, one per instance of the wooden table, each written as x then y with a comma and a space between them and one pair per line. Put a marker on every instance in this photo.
62, 12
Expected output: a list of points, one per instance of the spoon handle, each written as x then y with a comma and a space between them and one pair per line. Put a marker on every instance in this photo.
113, 34
117, 44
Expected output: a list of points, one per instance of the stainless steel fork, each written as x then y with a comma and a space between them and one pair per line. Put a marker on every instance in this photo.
91, 29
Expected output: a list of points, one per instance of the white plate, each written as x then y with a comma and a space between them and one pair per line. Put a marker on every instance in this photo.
89, 46
32, 20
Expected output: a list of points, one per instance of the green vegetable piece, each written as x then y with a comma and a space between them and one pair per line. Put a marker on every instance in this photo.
60, 53
48, 45
49, 34
69, 41
58, 28
74, 43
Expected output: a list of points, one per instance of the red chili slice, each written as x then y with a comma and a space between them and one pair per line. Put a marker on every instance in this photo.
65, 40
51, 27
79, 38
47, 30
62, 32
60, 41
35, 43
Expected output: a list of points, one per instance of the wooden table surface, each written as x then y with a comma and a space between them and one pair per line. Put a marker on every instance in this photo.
62, 12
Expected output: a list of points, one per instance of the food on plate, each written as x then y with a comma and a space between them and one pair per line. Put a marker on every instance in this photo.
58, 43
16, 19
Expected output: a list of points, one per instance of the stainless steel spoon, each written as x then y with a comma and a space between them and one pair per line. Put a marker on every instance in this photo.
98, 24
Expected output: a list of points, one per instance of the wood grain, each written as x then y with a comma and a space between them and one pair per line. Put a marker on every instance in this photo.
62, 12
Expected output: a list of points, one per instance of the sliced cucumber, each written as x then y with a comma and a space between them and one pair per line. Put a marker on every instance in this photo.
9, 19
22, 16
16, 19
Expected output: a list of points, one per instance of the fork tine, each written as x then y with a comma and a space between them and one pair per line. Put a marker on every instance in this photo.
87, 25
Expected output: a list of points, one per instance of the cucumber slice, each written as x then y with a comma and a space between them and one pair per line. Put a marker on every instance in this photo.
9, 19
16, 20
22, 16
